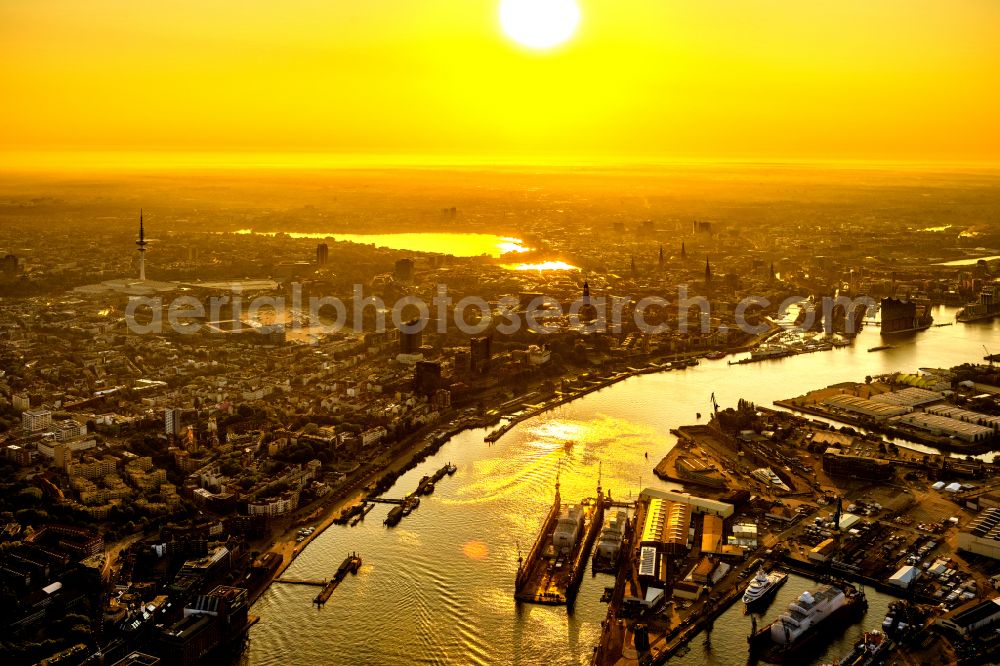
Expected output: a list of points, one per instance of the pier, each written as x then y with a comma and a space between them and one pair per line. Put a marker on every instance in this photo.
300, 581
351, 564
407, 504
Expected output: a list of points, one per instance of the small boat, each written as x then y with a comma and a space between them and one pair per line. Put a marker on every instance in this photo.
715, 355
880, 348
409, 504
691, 362
451, 469
872, 649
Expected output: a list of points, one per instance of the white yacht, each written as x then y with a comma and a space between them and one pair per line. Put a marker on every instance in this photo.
807, 611
763, 586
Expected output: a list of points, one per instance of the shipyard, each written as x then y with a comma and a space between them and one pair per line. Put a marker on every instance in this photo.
837, 506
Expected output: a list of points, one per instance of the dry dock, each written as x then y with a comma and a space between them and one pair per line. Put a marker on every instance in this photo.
551, 575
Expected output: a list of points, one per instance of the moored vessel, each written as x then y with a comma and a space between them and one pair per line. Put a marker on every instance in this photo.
607, 552
813, 616
873, 649
763, 587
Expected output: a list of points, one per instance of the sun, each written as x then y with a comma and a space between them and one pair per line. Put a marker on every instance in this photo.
539, 24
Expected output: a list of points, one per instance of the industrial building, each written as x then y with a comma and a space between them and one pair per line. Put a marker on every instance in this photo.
943, 426
852, 404
697, 504
909, 397
985, 420
667, 526
983, 535
904, 577
837, 463
974, 619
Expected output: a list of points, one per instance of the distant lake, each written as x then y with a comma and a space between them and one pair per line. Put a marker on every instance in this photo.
458, 245
969, 262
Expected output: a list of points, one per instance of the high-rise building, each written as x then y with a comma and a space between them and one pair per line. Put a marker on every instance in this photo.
174, 420
8, 266
322, 254
480, 353
409, 342
34, 420
403, 270
427, 377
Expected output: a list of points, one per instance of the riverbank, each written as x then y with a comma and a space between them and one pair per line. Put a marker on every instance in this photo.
287, 545
393, 465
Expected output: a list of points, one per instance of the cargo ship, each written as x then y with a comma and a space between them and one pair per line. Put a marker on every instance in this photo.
899, 316
608, 551
811, 618
762, 589
552, 571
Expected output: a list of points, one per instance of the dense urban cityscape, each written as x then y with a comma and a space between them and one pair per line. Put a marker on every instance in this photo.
500, 332
159, 482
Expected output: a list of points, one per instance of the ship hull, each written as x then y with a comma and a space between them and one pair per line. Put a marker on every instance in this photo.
762, 645
764, 600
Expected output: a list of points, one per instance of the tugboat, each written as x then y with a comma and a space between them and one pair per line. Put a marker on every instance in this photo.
813, 616
872, 650
451, 469
762, 588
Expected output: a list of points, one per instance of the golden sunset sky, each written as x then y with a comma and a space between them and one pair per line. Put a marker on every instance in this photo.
439, 80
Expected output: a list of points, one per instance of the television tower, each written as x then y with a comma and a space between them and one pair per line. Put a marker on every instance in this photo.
142, 250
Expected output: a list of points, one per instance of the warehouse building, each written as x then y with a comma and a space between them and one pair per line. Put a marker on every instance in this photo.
975, 619
977, 418
943, 426
909, 397
697, 504
837, 463
983, 535
852, 404
667, 526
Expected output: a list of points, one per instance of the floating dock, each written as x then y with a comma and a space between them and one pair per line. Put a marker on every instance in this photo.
351, 564
551, 575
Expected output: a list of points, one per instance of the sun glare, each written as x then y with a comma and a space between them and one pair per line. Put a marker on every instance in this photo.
539, 24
